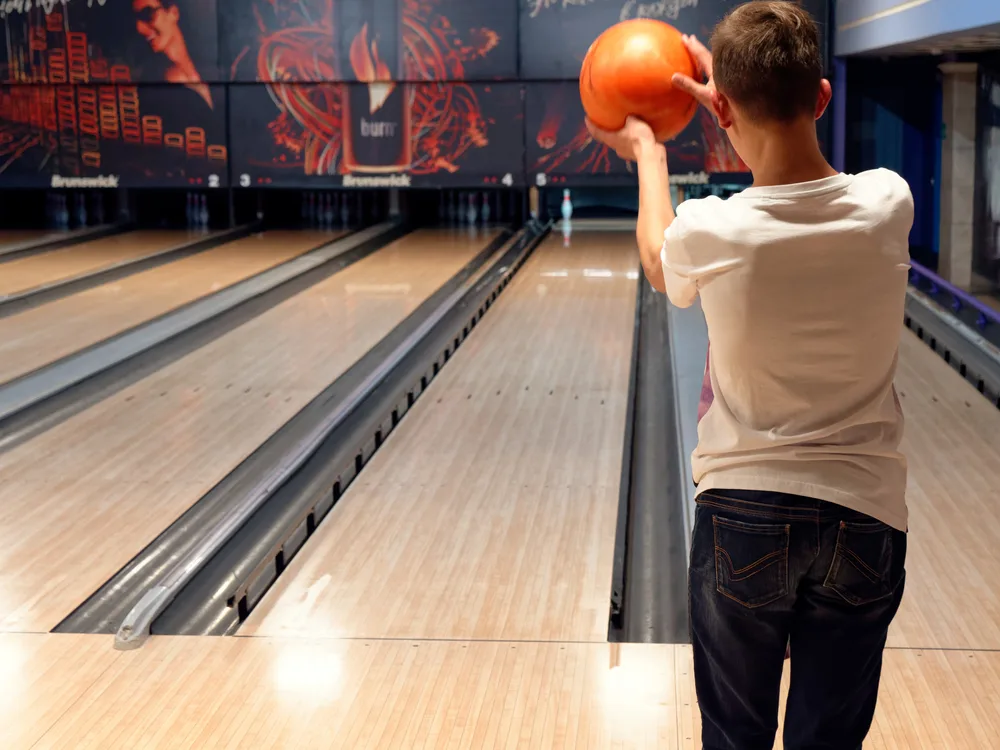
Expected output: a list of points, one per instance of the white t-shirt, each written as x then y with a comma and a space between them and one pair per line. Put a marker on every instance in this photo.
803, 288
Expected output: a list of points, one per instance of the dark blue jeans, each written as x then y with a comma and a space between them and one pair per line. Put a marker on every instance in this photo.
767, 570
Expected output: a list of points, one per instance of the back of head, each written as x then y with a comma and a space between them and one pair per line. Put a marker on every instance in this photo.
768, 60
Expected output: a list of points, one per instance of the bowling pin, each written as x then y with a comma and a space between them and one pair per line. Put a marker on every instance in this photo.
63, 213
486, 208
567, 232
567, 206
329, 211
81, 210
204, 212
471, 213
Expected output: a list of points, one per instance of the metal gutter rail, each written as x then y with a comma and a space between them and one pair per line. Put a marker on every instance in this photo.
12, 304
224, 592
31, 389
58, 240
135, 629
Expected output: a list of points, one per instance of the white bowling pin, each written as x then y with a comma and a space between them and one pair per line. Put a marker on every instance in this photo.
471, 213
567, 206
486, 208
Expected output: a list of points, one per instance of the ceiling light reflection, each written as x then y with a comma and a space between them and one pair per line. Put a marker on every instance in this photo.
308, 672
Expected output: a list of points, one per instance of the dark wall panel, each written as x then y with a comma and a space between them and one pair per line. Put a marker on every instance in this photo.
561, 152
325, 134
403, 40
556, 34
96, 41
135, 136
28, 142
146, 136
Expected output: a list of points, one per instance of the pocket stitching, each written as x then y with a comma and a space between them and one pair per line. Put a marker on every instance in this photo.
784, 530
860, 564
755, 564
842, 553
760, 529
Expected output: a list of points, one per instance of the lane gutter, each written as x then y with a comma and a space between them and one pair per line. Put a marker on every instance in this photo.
45, 397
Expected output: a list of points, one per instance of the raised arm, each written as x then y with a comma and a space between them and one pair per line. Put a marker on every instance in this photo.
635, 142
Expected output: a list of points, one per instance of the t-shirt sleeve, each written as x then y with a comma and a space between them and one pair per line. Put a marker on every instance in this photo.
681, 283
693, 254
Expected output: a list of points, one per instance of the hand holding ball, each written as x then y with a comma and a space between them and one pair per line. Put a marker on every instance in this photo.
628, 71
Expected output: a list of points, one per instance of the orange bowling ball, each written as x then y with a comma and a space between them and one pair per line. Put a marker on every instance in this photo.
628, 71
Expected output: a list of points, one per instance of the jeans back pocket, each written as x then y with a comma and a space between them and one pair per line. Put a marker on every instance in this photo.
861, 570
751, 561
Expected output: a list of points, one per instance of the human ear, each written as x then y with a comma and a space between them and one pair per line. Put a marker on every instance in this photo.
825, 95
723, 110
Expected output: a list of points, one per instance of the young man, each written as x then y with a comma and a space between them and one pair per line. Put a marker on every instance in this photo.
800, 528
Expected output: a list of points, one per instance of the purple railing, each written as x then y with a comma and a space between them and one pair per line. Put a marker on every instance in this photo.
986, 315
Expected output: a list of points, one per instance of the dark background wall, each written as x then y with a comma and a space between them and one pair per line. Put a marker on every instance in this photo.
275, 92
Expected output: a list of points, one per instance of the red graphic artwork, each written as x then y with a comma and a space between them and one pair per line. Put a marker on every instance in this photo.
559, 144
95, 120
322, 128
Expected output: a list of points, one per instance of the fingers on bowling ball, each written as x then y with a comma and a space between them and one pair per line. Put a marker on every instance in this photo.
629, 70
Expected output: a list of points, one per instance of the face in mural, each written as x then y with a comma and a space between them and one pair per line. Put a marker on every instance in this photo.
158, 23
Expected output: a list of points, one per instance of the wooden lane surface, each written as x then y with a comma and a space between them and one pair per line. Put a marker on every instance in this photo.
17, 236
79, 501
47, 268
952, 442
491, 511
44, 334
72, 692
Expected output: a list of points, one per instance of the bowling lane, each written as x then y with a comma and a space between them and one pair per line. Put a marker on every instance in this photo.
42, 335
19, 236
952, 596
490, 512
47, 268
77, 502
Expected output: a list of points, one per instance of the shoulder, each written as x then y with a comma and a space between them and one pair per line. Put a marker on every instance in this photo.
711, 218
700, 209
883, 184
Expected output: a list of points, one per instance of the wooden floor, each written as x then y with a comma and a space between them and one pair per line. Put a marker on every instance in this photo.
72, 692
19, 236
44, 334
77, 502
451, 599
491, 512
33, 271
952, 442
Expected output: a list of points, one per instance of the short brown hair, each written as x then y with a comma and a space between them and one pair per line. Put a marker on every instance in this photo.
767, 59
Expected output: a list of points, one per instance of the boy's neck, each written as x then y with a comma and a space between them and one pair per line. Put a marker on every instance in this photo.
787, 155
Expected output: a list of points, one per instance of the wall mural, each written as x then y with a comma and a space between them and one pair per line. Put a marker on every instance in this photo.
344, 92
